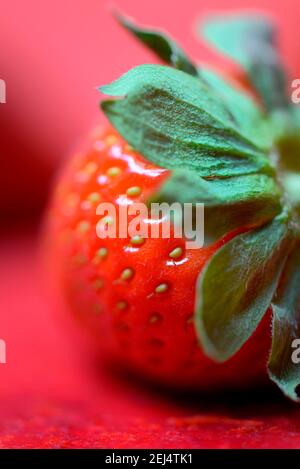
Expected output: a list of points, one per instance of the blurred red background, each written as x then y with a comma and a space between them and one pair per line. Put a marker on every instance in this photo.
53, 55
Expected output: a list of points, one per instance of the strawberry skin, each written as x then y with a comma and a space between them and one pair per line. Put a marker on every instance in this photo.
138, 298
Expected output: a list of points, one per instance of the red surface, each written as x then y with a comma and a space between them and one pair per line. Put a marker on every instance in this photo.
53, 54
53, 394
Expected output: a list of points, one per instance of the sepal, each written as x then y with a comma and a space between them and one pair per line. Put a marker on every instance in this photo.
251, 41
176, 121
284, 361
237, 285
161, 44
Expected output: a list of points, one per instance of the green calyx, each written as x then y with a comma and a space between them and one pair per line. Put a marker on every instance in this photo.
166, 49
246, 270
241, 160
176, 120
284, 369
250, 40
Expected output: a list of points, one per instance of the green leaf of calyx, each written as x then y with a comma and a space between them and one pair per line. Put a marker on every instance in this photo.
244, 273
163, 46
245, 111
285, 128
250, 40
286, 136
250, 200
176, 121
286, 328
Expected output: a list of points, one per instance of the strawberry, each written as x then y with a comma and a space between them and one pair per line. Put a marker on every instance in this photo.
139, 297
188, 318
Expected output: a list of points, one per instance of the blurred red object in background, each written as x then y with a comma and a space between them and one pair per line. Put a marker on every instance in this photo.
55, 53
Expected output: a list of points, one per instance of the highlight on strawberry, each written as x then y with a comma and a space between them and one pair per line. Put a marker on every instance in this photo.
226, 315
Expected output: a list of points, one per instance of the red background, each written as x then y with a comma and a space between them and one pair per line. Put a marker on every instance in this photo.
53, 55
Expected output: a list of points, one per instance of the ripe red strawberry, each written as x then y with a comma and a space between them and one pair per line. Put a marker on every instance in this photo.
138, 299
202, 318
